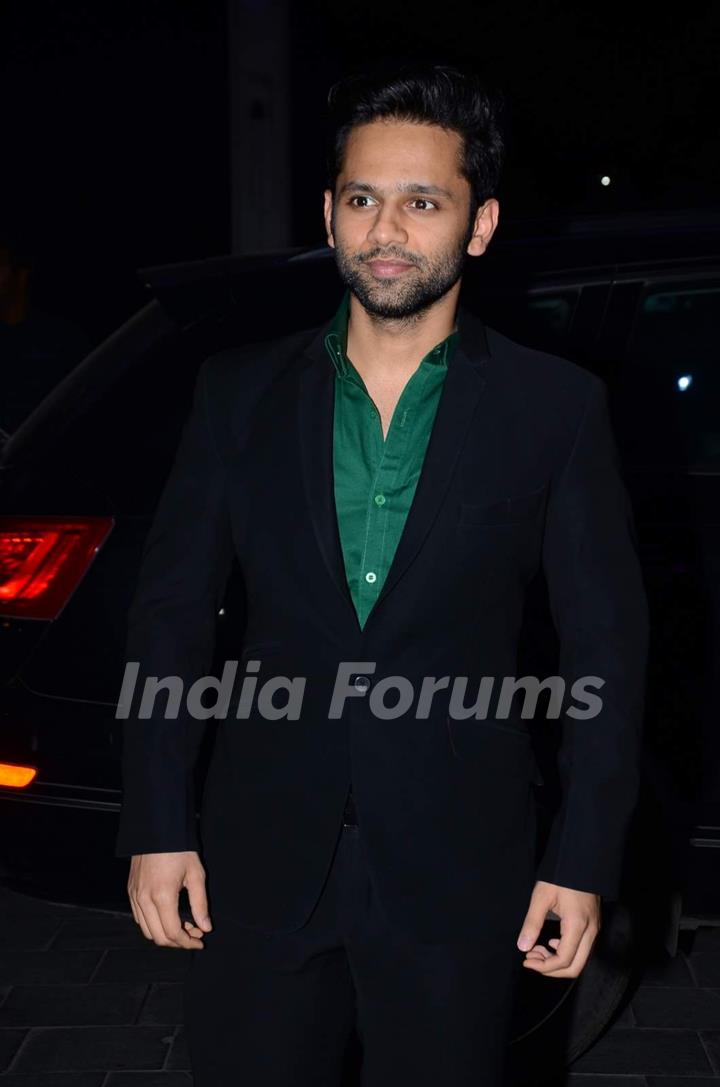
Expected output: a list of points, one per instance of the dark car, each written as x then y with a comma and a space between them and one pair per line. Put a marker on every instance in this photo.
635, 299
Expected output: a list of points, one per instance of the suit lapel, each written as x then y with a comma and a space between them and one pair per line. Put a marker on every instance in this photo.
462, 389
315, 413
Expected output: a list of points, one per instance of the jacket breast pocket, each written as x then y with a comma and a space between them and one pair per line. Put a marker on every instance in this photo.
511, 510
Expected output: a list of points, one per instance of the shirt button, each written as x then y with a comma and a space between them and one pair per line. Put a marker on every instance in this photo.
379, 499
370, 577
362, 683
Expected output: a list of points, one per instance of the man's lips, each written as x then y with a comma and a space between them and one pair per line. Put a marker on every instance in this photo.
386, 268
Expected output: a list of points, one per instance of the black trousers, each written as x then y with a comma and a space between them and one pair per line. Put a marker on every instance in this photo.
279, 1010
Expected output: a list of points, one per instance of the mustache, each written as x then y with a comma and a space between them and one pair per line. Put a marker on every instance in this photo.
364, 258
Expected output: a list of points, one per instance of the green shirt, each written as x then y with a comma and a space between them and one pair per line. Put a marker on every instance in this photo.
375, 477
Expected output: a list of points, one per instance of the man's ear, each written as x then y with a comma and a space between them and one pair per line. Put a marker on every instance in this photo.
328, 210
486, 219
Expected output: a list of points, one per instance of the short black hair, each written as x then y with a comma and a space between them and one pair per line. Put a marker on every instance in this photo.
451, 96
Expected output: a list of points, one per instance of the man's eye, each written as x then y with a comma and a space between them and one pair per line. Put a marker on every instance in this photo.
429, 205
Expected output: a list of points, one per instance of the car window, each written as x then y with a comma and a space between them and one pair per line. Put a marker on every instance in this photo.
668, 389
538, 319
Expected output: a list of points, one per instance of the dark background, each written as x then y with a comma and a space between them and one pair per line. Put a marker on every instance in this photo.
115, 147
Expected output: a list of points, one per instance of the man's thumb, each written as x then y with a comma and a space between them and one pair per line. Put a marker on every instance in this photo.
531, 926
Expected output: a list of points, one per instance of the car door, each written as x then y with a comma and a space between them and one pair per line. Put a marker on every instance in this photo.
660, 353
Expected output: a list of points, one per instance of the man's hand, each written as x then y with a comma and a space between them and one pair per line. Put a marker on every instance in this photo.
154, 885
580, 922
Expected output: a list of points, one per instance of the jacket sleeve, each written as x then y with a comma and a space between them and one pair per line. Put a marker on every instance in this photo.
599, 608
185, 565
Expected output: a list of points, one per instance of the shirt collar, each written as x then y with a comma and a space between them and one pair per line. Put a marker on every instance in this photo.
336, 341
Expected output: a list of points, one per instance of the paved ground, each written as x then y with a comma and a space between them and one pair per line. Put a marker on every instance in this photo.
86, 1001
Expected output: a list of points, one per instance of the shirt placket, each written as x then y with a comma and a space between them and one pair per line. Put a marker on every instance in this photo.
387, 481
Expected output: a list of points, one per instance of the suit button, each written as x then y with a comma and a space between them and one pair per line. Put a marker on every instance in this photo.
362, 684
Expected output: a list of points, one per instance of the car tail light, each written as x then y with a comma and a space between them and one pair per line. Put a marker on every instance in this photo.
16, 776
43, 559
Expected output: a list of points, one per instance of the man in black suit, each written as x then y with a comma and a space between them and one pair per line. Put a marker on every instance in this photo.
389, 484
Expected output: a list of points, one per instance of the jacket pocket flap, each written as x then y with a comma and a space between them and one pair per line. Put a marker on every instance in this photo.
502, 746
499, 511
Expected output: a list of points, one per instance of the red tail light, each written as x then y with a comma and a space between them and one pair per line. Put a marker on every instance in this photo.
43, 559
17, 777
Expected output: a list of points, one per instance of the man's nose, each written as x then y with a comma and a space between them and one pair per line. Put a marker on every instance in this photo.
387, 227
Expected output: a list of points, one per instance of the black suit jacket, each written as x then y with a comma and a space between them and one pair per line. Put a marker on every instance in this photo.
521, 472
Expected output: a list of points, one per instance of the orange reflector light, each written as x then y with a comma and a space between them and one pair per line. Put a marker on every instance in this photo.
43, 559
16, 776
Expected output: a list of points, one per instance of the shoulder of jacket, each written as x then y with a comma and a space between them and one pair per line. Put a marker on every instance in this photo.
232, 382
253, 363
543, 376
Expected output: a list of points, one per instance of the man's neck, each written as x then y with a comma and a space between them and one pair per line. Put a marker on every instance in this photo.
381, 347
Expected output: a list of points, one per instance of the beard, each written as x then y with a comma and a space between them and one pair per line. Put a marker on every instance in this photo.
409, 294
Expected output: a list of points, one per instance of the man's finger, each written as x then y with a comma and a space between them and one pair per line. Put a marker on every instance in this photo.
572, 951
156, 924
571, 930
577, 963
195, 885
139, 917
152, 920
172, 926
538, 953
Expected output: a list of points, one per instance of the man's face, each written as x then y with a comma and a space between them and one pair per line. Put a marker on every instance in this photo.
399, 219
